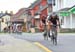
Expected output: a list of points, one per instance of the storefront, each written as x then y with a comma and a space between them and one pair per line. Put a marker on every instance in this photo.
67, 18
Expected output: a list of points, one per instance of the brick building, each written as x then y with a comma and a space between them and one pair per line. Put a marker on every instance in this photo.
40, 10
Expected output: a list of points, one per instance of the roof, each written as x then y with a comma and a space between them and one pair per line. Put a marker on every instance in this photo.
3, 14
67, 9
64, 9
34, 3
22, 10
73, 6
72, 9
17, 20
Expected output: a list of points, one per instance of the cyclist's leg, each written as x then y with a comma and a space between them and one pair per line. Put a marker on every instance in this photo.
45, 32
47, 35
55, 36
52, 36
48, 32
44, 35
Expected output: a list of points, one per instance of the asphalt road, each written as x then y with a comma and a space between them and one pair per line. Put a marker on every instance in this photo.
66, 41
10, 44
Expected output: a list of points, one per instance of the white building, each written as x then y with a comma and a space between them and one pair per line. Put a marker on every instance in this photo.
64, 8
60, 4
5, 19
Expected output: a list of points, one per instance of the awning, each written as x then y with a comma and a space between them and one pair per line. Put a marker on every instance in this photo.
37, 17
67, 11
72, 10
64, 13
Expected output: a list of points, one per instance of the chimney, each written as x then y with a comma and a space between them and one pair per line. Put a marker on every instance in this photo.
6, 11
11, 12
2, 12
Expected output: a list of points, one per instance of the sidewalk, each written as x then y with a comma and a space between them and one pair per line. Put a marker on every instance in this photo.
10, 44
41, 33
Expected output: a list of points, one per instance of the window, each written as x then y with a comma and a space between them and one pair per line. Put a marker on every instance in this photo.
49, 9
41, 6
2, 19
51, 2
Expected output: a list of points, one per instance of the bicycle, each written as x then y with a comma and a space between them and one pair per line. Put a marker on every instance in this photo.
54, 34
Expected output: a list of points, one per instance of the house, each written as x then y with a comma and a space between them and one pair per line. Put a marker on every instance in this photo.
4, 20
67, 18
65, 9
35, 8
39, 10
22, 17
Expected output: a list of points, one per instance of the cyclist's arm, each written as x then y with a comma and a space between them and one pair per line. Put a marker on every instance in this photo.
58, 23
50, 23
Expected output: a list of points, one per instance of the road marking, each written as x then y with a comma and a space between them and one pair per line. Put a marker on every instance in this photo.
43, 47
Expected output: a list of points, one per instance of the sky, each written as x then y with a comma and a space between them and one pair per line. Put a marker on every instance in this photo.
69, 3
14, 5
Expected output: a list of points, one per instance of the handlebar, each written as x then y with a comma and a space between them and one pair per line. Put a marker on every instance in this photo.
54, 25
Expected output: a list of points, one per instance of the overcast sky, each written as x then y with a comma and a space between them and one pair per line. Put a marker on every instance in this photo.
14, 5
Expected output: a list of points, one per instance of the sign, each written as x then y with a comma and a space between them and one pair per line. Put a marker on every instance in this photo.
64, 13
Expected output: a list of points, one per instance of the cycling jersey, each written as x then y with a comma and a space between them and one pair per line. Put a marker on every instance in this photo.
54, 20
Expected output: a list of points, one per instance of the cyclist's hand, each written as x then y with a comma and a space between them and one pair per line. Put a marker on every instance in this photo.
51, 23
58, 29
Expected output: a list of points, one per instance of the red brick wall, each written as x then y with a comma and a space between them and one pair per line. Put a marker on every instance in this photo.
32, 12
36, 8
43, 13
43, 2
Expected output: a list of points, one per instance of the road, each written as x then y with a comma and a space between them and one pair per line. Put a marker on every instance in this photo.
10, 44
66, 41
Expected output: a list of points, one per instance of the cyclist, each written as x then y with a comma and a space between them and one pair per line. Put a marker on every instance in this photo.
44, 22
44, 26
54, 21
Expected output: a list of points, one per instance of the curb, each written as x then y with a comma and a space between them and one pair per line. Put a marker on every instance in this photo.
43, 47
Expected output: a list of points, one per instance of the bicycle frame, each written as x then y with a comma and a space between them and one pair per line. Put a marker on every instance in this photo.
54, 34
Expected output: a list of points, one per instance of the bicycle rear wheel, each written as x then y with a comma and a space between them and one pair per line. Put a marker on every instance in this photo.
54, 36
